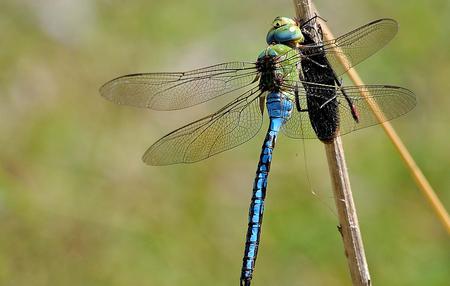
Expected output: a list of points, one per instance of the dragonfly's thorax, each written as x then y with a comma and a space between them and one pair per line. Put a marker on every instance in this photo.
271, 74
276, 67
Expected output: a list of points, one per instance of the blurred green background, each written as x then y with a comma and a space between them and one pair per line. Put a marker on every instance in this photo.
78, 206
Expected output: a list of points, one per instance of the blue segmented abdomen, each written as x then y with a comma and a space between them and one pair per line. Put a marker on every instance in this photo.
279, 107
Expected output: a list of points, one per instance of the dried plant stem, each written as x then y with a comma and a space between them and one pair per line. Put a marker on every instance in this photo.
348, 220
416, 173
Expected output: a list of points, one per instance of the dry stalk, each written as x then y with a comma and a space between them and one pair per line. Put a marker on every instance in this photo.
348, 220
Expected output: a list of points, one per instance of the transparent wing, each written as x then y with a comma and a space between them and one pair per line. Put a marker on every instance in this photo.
355, 46
170, 91
231, 126
392, 101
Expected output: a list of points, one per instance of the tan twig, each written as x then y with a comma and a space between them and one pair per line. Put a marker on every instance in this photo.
416, 173
348, 220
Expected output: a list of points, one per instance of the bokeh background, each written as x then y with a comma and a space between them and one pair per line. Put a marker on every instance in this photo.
78, 206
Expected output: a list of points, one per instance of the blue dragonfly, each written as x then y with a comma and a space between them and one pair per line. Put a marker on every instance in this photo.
293, 77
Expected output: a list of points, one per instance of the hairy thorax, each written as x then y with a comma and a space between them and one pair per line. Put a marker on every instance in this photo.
277, 67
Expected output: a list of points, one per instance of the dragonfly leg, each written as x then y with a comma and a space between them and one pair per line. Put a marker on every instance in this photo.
310, 30
297, 100
328, 101
307, 58
313, 18
354, 111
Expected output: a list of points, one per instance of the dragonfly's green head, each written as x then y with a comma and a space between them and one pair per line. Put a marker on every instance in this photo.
284, 30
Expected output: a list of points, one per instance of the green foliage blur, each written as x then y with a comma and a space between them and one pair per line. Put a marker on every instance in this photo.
78, 206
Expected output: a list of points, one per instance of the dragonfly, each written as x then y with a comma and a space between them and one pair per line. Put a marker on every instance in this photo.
295, 80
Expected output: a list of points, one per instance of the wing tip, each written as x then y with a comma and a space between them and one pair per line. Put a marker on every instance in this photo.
106, 90
151, 160
148, 159
386, 20
403, 89
102, 89
111, 83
